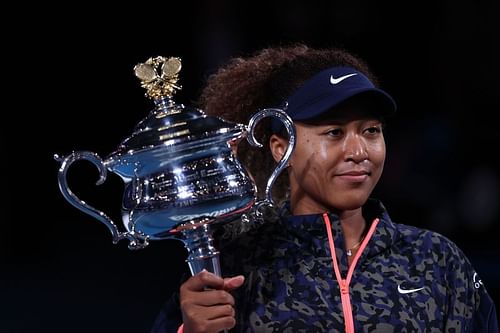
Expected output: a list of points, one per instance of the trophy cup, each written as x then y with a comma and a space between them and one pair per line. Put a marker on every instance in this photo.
180, 173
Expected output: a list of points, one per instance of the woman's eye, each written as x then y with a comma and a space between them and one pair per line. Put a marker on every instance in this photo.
373, 130
335, 132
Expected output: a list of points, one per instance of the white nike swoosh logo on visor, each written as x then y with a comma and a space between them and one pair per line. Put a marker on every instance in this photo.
340, 79
408, 291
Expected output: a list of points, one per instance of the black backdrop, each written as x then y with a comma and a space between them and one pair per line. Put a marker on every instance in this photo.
73, 88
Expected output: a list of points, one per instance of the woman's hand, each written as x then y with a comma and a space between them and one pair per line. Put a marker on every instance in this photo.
206, 304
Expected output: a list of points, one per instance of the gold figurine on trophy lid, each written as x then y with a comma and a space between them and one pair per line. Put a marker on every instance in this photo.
159, 76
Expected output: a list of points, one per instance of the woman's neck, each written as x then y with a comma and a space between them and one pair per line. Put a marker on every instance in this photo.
353, 227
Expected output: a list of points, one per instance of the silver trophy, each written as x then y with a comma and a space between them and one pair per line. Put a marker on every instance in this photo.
180, 172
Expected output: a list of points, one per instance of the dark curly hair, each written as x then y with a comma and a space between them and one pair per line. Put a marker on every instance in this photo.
262, 80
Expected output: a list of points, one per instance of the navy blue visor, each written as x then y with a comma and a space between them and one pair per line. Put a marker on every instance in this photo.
328, 89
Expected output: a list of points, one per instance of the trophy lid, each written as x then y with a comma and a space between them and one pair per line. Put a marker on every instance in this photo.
170, 128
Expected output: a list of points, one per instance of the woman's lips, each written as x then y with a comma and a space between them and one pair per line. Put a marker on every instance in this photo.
354, 176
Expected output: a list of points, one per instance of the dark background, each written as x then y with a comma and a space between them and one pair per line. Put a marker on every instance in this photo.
72, 87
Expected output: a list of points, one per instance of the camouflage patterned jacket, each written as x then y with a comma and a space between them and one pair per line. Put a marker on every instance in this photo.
403, 279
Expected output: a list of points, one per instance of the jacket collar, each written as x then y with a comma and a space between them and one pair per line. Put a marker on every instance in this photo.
311, 228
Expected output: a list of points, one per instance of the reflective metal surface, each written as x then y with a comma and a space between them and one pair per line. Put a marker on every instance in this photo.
179, 170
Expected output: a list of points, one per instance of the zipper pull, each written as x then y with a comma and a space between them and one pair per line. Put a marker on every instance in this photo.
344, 287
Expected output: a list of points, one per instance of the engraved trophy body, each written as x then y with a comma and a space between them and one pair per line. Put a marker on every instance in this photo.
180, 173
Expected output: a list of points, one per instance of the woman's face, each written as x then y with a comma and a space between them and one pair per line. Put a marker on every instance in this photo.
337, 161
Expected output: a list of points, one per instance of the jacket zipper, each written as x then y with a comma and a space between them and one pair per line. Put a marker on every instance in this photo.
344, 283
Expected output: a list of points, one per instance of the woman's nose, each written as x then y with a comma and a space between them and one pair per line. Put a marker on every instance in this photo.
355, 148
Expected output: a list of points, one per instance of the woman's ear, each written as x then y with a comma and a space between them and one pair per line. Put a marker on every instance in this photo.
278, 146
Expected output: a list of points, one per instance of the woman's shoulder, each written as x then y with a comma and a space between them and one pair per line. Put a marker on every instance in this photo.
423, 236
432, 243
248, 244
250, 226
259, 234
449, 267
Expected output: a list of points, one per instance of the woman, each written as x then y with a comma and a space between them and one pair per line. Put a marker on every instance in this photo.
329, 259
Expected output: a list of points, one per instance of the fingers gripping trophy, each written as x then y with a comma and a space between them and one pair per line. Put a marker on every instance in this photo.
181, 176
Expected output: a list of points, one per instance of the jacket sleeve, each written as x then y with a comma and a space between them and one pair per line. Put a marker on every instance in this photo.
170, 317
484, 317
470, 308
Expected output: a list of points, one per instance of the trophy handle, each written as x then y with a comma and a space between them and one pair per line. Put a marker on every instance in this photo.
283, 163
136, 242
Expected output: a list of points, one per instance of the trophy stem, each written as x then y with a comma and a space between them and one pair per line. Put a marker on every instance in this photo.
202, 254
210, 264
